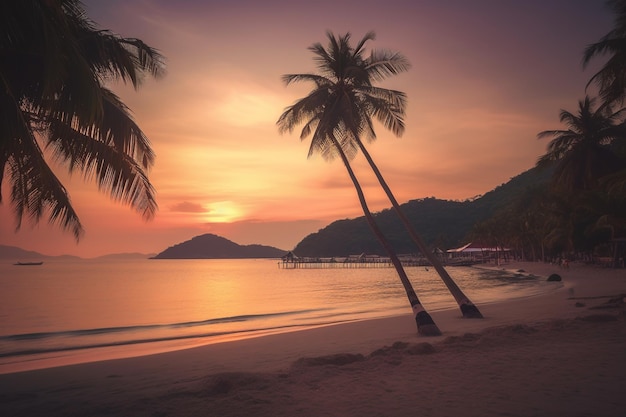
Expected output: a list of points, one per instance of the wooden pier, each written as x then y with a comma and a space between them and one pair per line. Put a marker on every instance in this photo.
360, 261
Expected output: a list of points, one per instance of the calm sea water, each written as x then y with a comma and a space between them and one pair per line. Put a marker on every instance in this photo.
123, 308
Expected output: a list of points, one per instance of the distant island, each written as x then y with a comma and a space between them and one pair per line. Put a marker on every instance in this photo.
206, 246
18, 254
440, 223
15, 253
210, 246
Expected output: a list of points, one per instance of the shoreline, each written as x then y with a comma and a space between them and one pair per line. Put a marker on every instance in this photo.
400, 326
42, 357
337, 370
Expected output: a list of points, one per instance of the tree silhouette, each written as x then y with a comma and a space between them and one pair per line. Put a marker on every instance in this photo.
54, 64
360, 101
340, 102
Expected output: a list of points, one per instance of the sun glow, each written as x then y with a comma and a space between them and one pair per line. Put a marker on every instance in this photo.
222, 212
246, 109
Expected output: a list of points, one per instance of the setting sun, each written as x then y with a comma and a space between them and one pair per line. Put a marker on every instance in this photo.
222, 212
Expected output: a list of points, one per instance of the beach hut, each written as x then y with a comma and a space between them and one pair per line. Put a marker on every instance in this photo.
476, 252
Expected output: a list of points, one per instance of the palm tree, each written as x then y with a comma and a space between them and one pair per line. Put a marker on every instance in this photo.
54, 65
586, 163
468, 309
359, 100
583, 153
611, 78
326, 112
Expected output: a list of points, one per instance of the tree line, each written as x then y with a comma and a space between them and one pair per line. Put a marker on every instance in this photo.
443, 224
581, 212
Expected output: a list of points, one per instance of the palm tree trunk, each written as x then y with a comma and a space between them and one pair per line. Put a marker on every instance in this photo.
468, 309
425, 324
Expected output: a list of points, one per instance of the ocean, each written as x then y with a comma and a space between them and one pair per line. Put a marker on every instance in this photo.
82, 310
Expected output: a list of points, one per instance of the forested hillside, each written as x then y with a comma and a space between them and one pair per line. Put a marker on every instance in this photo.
440, 223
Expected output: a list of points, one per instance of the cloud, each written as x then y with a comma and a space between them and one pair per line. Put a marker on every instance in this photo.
187, 207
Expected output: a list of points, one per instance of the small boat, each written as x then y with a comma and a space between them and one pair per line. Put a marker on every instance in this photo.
28, 263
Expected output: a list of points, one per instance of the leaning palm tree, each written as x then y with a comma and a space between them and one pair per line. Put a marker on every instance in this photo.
611, 78
425, 324
54, 64
326, 113
353, 75
584, 153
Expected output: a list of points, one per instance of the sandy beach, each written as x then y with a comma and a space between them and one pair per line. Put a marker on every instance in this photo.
558, 354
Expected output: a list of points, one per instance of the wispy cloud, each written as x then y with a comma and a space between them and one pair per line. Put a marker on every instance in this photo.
187, 207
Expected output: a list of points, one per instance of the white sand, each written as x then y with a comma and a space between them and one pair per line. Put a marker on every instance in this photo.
539, 356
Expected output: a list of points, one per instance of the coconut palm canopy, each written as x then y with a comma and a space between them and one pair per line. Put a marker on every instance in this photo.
344, 99
54, 105
584, 153
611, 78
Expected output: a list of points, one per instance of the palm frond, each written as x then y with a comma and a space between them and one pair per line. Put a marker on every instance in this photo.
302, 110
320, 81
611, 78
387, 106
383, 64
54, 64
119, 129
369, 36
347, 142
115, 171
148, 59
396, 99
35, 190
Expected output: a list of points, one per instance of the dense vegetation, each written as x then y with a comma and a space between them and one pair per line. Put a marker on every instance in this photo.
441, 223
530, 214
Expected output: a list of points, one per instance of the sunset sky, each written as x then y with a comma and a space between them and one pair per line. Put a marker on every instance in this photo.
486, 77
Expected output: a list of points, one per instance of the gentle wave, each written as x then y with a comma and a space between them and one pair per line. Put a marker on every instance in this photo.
139, 304
121, 329
44, 350
76, 335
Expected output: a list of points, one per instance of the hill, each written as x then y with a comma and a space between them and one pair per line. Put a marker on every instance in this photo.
124, 256
440, 223
15, 253
211, 246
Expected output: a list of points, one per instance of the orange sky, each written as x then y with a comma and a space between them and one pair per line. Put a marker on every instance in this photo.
487, 76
